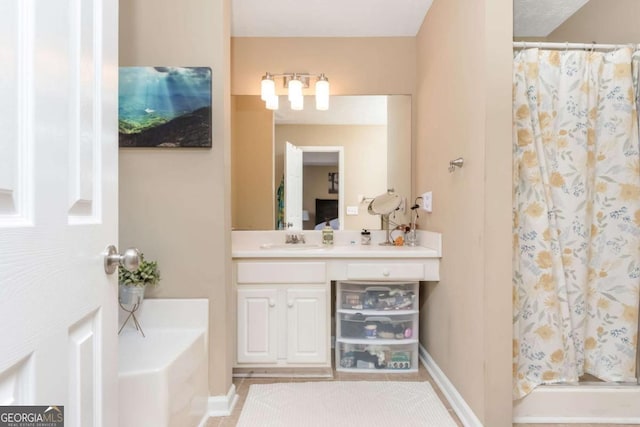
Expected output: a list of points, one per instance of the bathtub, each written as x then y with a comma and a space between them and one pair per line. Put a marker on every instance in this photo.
163, 377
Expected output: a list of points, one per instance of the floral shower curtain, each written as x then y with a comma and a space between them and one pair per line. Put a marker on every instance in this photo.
576, 217
635, 64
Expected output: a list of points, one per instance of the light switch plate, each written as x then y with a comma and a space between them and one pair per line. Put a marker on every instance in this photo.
427, 201
352, 210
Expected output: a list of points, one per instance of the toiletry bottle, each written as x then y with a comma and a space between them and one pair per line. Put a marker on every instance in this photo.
327, 234
365, 237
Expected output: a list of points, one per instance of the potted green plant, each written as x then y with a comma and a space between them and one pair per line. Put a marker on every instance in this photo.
134, 283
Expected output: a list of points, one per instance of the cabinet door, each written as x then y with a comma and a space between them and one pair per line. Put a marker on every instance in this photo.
307, 325
257, 333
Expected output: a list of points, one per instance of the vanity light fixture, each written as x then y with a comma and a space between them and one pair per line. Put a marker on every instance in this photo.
267, 87
295, 83
322, 93
272, 102
297, 103
295, 88
295, 93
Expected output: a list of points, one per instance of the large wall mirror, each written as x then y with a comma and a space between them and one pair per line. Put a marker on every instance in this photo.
330, 161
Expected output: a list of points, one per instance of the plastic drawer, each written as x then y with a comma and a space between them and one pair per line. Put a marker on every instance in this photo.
374, 327
381, 296
376, 358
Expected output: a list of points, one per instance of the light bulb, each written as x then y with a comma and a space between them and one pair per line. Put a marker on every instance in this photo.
322, 93
272, 103
267, 87
295, 88
297, 103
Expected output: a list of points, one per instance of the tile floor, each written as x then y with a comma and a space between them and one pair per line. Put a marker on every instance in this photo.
242, 388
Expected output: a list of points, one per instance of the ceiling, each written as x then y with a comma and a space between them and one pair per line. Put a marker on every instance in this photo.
538, 18
374, 18
327, 18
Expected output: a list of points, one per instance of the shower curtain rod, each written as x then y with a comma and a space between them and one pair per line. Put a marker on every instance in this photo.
548, 45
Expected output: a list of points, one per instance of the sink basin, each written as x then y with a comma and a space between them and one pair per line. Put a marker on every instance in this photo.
291, 246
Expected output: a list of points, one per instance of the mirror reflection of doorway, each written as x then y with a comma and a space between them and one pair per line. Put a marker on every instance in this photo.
322, 197
318, 164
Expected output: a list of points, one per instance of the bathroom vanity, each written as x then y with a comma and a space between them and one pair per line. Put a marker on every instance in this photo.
283, 296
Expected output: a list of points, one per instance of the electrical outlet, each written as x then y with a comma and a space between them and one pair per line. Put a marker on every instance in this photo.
427, 201
352, 210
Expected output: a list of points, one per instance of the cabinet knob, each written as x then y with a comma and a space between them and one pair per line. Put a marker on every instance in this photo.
272, 302
290, 303
385, 273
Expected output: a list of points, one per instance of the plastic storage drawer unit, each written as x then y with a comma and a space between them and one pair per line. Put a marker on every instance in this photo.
377, 326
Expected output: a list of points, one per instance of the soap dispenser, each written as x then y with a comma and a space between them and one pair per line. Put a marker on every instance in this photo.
327, 234
365, 237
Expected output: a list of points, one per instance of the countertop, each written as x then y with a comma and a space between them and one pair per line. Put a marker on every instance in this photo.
269, 244
336, 251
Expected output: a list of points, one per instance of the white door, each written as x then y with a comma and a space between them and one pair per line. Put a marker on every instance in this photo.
58, 206
293, 186
306, 325
257, 333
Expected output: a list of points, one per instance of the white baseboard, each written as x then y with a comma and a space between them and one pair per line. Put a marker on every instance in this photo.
462, 410
582, 403
222, 406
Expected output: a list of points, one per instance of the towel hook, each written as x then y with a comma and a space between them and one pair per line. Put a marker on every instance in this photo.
457, 163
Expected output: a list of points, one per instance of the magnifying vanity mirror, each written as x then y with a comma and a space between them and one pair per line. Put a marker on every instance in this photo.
385, 205
300, 169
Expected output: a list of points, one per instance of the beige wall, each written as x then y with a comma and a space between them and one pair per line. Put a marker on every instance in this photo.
464, 109
315, 181
365, 161
252, 188
174, 203
354, 66
602, 21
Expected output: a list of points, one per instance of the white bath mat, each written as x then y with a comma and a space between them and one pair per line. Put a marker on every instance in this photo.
344, 404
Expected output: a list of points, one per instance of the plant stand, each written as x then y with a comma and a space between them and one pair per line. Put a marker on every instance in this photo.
132, 297
132, 315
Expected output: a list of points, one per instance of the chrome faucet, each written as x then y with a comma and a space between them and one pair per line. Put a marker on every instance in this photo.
295, 238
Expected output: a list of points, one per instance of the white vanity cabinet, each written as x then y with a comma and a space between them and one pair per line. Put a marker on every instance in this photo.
284, 310
257, 325
282, 314
306, 325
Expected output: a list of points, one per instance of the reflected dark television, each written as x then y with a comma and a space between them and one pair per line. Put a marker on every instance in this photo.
326, 210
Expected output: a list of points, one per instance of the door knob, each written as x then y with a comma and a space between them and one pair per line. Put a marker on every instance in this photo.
130, 260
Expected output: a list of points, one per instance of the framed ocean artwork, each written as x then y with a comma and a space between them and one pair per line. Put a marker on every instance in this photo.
164, 107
